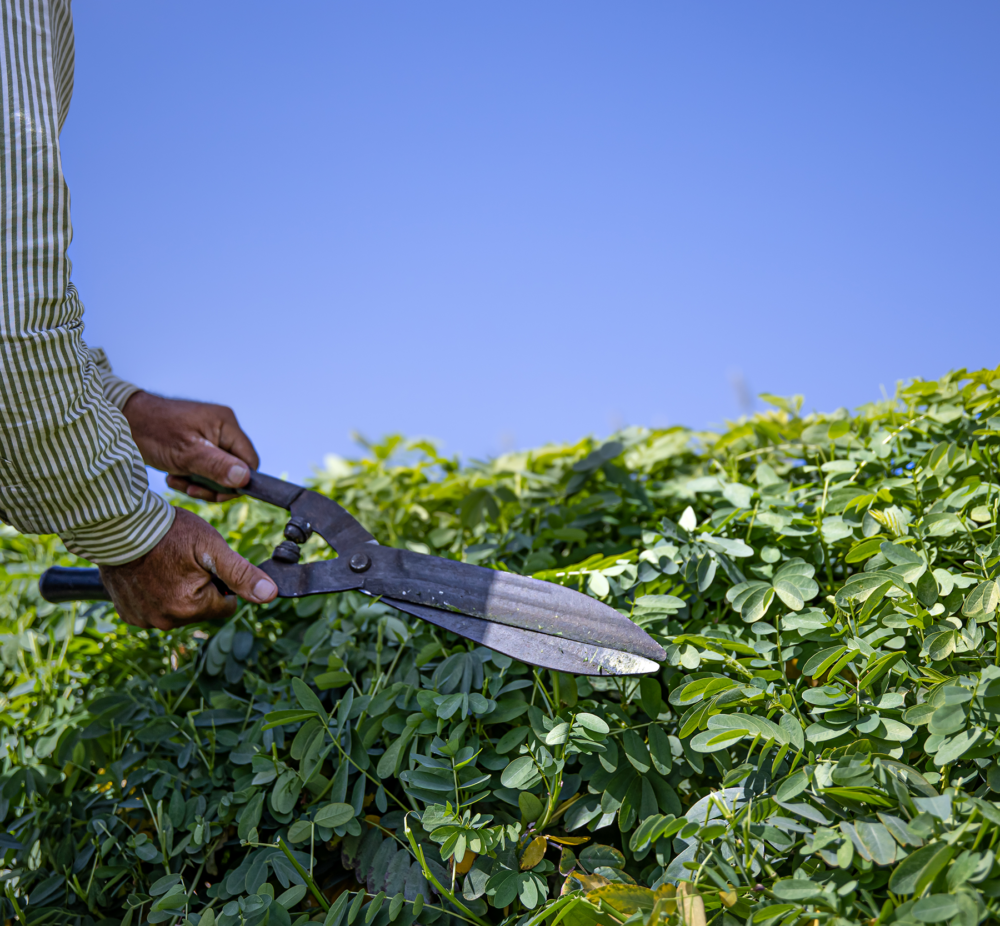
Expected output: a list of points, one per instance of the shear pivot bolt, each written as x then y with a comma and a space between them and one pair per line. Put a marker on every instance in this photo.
360, 562
286, 552
298, 530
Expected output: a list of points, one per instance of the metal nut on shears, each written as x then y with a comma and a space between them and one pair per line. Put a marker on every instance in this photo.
298, 530
286, 552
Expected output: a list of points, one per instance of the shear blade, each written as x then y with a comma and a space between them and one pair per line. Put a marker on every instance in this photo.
536, 649
503, 598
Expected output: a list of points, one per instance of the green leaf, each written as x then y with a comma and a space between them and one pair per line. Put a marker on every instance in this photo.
793, 786
666, 604
889, 729
956, 747
289, 899
281, 718
336, 912
333, 815
596, 459
983, 599
820, 662
598, 585
876, 839
919, 868
659, 750
249, 819
598, 855
739, 594
877, 668
389, 761
864, 550
520, 773
702, 688
308, 699
175, 900
650, 697
164, 885
636, 751
798, 890
859, 586
756, 604
948, 718
739, 496
795, 585
714, 740
935, 909
286, 792
326, 680
873, 601
450, 704
942, 645
592, 723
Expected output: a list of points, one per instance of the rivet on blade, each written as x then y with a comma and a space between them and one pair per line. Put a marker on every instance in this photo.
360, 562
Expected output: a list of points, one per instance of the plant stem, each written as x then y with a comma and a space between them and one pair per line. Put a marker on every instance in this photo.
316, 892
429, 875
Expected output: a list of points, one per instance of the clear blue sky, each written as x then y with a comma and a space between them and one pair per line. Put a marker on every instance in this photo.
501, 224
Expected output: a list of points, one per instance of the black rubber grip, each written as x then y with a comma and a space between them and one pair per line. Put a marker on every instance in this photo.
60, 583
261, 486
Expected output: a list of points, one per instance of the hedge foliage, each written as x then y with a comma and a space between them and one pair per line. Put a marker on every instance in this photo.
819, 748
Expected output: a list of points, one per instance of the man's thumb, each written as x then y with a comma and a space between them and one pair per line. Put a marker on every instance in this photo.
221, 467
245, 579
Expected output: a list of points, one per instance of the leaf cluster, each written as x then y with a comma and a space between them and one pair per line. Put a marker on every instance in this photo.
820, 745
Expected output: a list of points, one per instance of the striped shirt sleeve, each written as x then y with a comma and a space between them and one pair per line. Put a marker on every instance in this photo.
68, 464
116, 391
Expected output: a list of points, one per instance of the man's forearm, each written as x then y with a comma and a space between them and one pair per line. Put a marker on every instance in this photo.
68, 464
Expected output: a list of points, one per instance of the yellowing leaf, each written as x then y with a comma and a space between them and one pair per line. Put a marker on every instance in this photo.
625, 898
690, 906
728, 898
580, 881
533, 853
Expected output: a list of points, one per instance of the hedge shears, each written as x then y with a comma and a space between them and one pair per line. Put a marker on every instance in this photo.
540, 623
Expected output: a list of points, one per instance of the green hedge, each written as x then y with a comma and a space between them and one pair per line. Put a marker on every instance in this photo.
819, 748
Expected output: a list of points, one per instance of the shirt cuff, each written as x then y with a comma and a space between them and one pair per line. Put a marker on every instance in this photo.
124, 539
117, 391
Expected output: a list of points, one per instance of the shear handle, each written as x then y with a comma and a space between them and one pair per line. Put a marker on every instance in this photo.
323, 515
265, 488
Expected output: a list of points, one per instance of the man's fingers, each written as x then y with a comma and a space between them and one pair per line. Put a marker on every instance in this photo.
130, 617
245, 579
237, 443
205, 459
211, 605
180, 484
121, 604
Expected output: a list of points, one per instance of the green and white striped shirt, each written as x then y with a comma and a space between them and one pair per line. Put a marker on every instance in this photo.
68, 464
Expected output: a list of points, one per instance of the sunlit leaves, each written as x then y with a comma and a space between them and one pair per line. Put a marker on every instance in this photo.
983, 600
824, 586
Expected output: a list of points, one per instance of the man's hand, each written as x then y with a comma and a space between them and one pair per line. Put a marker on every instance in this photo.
172, 584
184, 438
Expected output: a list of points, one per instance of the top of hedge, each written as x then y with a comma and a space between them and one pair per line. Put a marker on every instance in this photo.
820, 745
